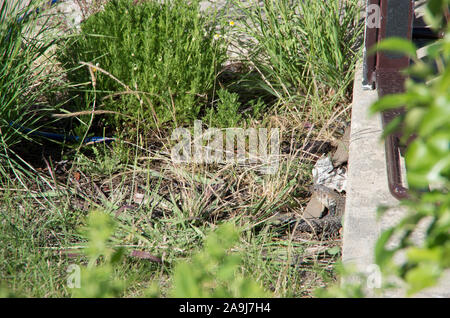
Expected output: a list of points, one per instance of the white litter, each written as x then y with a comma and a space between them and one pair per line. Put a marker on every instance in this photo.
325, 174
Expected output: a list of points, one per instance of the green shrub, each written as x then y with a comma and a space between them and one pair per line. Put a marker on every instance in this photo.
166, 51
97, 278
427, 159
213, 272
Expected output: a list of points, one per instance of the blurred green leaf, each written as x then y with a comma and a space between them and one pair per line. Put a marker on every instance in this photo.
334, 250
418, 255
382, 255
395, 44
422, 276
214, 271
389, 102
434, 12
97, 279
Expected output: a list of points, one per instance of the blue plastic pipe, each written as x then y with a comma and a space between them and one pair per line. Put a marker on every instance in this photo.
60, 137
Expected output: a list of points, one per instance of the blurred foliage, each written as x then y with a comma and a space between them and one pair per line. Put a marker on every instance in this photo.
214, 272
427, 104
96, 279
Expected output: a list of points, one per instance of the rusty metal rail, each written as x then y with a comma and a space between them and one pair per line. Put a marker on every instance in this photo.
381, 71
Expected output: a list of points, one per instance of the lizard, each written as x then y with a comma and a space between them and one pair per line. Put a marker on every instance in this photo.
329, 224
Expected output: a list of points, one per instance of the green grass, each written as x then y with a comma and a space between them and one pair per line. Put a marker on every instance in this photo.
173, 221
301, 47
25, 77
168, 209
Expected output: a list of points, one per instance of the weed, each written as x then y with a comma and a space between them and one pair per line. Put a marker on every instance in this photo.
227, 113
96, 278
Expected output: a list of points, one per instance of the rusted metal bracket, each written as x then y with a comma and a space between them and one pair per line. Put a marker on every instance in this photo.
397, 18
404, 11
382, 71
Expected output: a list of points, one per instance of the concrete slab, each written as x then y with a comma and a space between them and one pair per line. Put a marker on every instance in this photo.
367, 189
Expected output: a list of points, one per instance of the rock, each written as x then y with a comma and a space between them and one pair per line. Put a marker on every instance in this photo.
314, 209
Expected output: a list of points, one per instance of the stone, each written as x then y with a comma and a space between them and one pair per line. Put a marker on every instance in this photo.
314, 209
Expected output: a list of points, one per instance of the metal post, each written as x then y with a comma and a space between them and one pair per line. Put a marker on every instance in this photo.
370, 39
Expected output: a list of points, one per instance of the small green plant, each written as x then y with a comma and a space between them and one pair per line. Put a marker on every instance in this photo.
104, 160
227, 112
349, 289
213, 272
165, 52
97, 278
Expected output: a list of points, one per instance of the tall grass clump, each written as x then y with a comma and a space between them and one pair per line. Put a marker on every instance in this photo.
157, 62
25, 39
301, 47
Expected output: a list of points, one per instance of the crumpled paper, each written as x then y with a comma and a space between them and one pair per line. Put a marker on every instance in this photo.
325, 174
